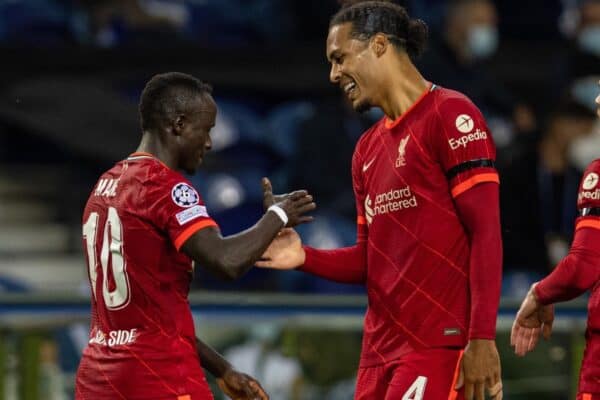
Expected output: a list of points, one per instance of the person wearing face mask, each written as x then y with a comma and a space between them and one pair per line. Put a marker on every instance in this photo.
468, 39
583, 57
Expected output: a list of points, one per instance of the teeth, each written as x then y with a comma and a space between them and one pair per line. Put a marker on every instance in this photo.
349, 86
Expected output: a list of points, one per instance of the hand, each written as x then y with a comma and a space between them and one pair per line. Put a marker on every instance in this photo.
480, 370
294, 204
531, 320
285, 252
239, 386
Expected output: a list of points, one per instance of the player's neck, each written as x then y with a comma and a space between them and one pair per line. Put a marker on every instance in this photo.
151, 144
407, 87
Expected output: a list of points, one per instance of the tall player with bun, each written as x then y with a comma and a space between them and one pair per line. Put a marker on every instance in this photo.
576, 274
428, 245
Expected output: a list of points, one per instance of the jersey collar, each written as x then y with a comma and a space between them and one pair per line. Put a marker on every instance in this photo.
389, 124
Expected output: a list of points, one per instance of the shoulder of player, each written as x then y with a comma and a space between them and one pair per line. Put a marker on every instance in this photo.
447, 100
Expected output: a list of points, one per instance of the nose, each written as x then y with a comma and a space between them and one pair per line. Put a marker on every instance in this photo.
334, 73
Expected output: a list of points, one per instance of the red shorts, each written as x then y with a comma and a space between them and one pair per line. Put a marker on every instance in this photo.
588, 396
419, 375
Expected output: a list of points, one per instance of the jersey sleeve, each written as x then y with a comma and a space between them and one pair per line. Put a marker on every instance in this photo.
464, 145
363, 203
588, 198
176, 208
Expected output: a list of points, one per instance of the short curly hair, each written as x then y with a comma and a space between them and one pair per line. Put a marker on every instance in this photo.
166, 95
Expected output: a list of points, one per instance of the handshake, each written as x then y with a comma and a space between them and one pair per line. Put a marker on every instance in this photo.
285, 251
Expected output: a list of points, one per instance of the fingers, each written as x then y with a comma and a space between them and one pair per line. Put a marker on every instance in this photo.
266, 185
513, 333
547, 330
479, 391
264, 264
298, 194
495, 390
533, 340
259, 391
461, 379
469, 388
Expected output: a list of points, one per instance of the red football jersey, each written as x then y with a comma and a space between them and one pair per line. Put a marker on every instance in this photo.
142, 341
580, 271
406, 174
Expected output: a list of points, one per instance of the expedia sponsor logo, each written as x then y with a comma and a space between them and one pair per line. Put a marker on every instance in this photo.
393, 201
114, 338
587, 195
463, 141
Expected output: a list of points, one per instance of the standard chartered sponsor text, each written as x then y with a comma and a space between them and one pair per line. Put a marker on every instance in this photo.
391, 201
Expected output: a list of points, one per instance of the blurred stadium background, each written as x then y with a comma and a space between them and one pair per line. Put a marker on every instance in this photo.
72, 72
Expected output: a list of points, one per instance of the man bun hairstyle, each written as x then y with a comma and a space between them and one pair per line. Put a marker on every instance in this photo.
371, 17
167, 95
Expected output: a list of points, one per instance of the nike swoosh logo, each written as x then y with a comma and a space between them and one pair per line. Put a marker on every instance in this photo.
367, 165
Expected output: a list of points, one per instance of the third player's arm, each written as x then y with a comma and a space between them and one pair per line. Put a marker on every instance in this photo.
576, 273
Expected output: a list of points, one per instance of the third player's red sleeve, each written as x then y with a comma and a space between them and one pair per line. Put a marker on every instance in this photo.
176, 207
348, 264
576, 273
579, 271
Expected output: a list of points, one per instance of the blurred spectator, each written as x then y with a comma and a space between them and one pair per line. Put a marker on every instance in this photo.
539, 185
132, 22
279, 375
584, 56
457, 61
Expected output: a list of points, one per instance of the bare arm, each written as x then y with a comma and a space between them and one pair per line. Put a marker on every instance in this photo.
232, 256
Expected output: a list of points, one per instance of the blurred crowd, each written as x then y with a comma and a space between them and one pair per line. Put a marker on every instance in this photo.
532, 68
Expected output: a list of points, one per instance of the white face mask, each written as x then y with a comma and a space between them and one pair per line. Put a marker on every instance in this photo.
585, 91
589, 40
482, 41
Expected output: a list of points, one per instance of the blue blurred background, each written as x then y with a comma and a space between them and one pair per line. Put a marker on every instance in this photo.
72, 72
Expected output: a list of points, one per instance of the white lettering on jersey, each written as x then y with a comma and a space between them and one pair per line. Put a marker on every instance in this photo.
115, 338
186, 216
463, 141
107, 188
393, 201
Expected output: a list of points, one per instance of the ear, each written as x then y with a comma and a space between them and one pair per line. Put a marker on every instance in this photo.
379, 44
179, 124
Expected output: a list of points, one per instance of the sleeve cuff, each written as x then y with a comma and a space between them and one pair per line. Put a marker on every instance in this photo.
472, 181
189, 231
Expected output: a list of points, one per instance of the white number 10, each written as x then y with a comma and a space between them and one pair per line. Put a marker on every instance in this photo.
111, 255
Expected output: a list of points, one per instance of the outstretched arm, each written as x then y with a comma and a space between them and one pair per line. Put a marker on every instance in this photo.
232, 256
234, 384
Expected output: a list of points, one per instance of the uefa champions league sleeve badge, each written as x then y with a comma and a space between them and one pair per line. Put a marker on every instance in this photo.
184, 195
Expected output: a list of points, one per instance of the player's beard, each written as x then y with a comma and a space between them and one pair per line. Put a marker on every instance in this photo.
362, 106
